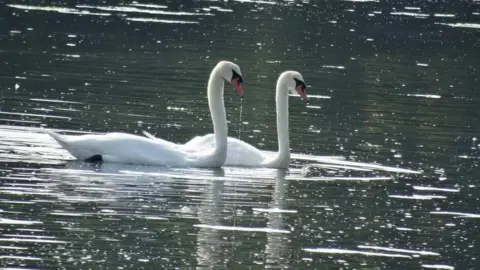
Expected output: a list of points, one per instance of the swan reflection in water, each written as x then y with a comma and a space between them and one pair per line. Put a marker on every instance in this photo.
210, 197
215, 249
276, 249
211, 248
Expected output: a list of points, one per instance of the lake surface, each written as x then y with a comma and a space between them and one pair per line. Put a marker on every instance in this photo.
385, 172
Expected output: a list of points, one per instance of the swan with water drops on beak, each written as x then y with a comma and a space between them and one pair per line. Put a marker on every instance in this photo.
118, 147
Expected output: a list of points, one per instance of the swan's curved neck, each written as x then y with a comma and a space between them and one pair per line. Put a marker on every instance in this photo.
283, 156
217, 111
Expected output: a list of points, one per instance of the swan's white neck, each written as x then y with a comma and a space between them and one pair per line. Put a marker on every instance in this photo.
217, 111
282, 159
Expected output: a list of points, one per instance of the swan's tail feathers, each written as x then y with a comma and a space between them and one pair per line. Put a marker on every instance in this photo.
148, 135
59, 138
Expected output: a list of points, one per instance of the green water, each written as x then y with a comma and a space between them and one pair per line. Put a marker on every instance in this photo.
391, 85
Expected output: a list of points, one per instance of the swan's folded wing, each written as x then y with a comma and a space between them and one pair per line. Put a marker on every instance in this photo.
200, 143
162, 141
196, 144
153, 152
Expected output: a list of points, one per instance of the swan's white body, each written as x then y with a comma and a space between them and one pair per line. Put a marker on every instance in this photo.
240, 153
127, 148
119, 147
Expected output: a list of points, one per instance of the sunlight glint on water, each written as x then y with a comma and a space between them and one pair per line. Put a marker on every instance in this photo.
384, 169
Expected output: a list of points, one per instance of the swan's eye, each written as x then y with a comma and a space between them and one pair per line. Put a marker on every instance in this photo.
236, 76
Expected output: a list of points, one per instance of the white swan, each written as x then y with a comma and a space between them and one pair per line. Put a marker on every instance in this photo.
243, 154
119, 147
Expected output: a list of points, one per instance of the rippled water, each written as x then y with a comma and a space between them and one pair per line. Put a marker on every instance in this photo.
385, 170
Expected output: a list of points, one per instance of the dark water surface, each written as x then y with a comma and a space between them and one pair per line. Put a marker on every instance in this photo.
392, 85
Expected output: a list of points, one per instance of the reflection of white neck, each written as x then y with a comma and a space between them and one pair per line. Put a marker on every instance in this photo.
282, 159
209, 243
217, 111
275, 249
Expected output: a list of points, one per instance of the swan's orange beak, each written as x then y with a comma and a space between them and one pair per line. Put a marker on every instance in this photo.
238, 86
301, 90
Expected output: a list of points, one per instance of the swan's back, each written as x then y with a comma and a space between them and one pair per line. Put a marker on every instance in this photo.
239, 153
123, 148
